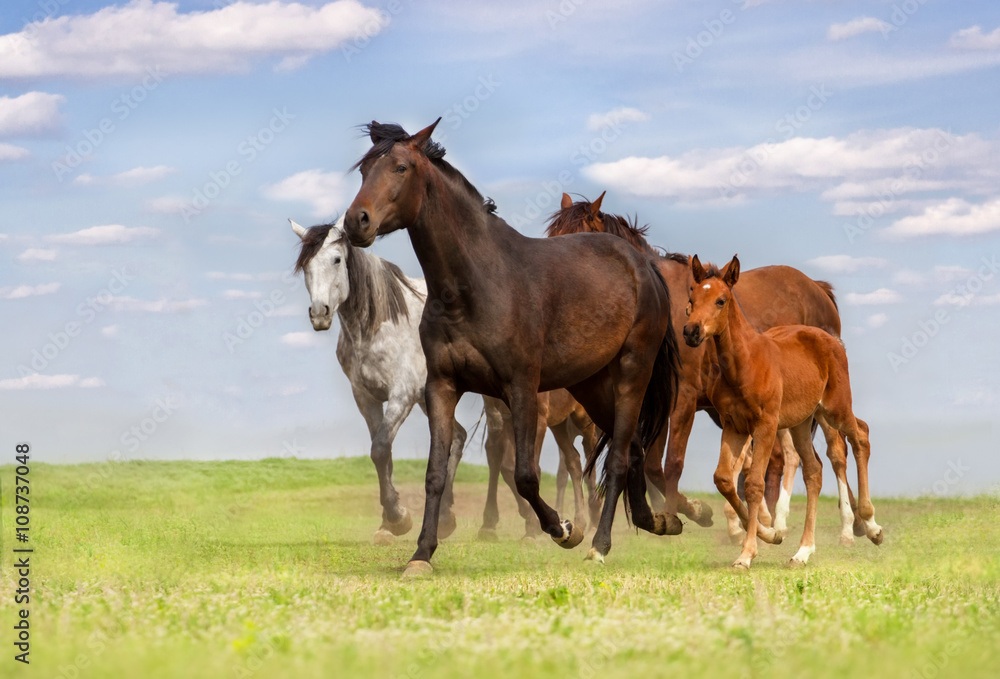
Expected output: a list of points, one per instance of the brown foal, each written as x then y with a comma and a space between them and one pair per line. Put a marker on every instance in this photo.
778, 379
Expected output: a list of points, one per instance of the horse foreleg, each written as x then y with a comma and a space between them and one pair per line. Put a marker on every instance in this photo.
569, 459
382, 428
562, 478
812, 474
494, 459
442, 397
763, 436
656, 482
523, 402
731, 453
681, 421
790, 465
448, 523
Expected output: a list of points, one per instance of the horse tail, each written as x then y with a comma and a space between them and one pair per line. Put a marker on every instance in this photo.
828, 289
829, 322
657, 402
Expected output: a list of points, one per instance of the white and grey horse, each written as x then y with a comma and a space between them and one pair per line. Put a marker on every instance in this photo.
379, 349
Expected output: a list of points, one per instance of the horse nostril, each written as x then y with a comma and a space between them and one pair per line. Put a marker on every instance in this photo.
310, 312
363, 219
326, 309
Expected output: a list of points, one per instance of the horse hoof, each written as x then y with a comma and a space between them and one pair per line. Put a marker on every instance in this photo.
796, 563
859, 527
778, 537
667, 524
571, 535
401, 527
703, 512
739, 565
877, 538
488, 535
447, 525
417, 569
594, 555
383, 537
847, 540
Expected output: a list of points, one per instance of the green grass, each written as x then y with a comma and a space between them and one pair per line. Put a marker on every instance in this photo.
266, 569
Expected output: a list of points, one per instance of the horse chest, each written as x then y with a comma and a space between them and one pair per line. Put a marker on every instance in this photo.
734, 407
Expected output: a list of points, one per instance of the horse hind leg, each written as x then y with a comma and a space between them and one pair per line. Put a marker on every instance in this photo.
734, 526
569, 458
836, 450
396, 519
812, 474
494, 458
861, 448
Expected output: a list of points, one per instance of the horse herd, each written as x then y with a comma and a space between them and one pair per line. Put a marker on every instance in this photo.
589, 332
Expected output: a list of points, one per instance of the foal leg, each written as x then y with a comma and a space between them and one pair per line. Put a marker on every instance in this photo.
442, 397
731, 450
562, 478
791, 466
862, 452
836, 450
763, 435
812, 474
733, 524
523, 401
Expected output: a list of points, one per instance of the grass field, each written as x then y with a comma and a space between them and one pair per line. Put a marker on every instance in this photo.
266, 569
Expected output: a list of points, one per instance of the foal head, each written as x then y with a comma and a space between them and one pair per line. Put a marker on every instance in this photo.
393, 173
323, 259
709, 298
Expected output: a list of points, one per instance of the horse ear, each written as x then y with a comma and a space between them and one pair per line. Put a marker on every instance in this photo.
697, 270
567, 202
423, 136
299, 230
731, 274
595, 207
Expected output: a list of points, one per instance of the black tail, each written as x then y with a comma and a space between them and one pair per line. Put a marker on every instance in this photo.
658, 402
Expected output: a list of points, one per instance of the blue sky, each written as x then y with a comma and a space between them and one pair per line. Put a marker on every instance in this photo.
150, 153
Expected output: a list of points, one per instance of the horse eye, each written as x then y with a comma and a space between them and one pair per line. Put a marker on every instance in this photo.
720, 302
400, 169
336, 260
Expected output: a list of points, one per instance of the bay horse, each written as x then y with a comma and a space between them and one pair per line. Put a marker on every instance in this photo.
770, 296
521, 315
778, 379
379, 350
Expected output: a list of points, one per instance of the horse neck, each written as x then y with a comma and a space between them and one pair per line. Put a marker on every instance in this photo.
736, 345
451, 237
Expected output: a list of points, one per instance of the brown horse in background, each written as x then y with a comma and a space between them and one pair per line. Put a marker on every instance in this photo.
561, 414
770, 296
587, 312
778, 379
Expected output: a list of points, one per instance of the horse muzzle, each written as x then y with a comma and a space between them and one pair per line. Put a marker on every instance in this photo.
321, 318
358, 226
693, 336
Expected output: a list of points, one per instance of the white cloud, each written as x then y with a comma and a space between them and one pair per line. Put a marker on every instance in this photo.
123, 41
880, 296
168, 205
856, 27
840, 167
942, 274
11, 152
110, 331
302, 339
954, 217
974, 39
159, 306
240, 294
30, 114
622, 114
37, 381
104, 235
22, 291
137, 176
326, 191
969, 299
877, 320
221, 276
291, 389
36, 255
846, 263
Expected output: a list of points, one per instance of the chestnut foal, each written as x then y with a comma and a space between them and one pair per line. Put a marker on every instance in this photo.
779, 379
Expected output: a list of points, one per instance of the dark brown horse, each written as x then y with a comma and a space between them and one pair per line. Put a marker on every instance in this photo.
521, 315
770, 296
